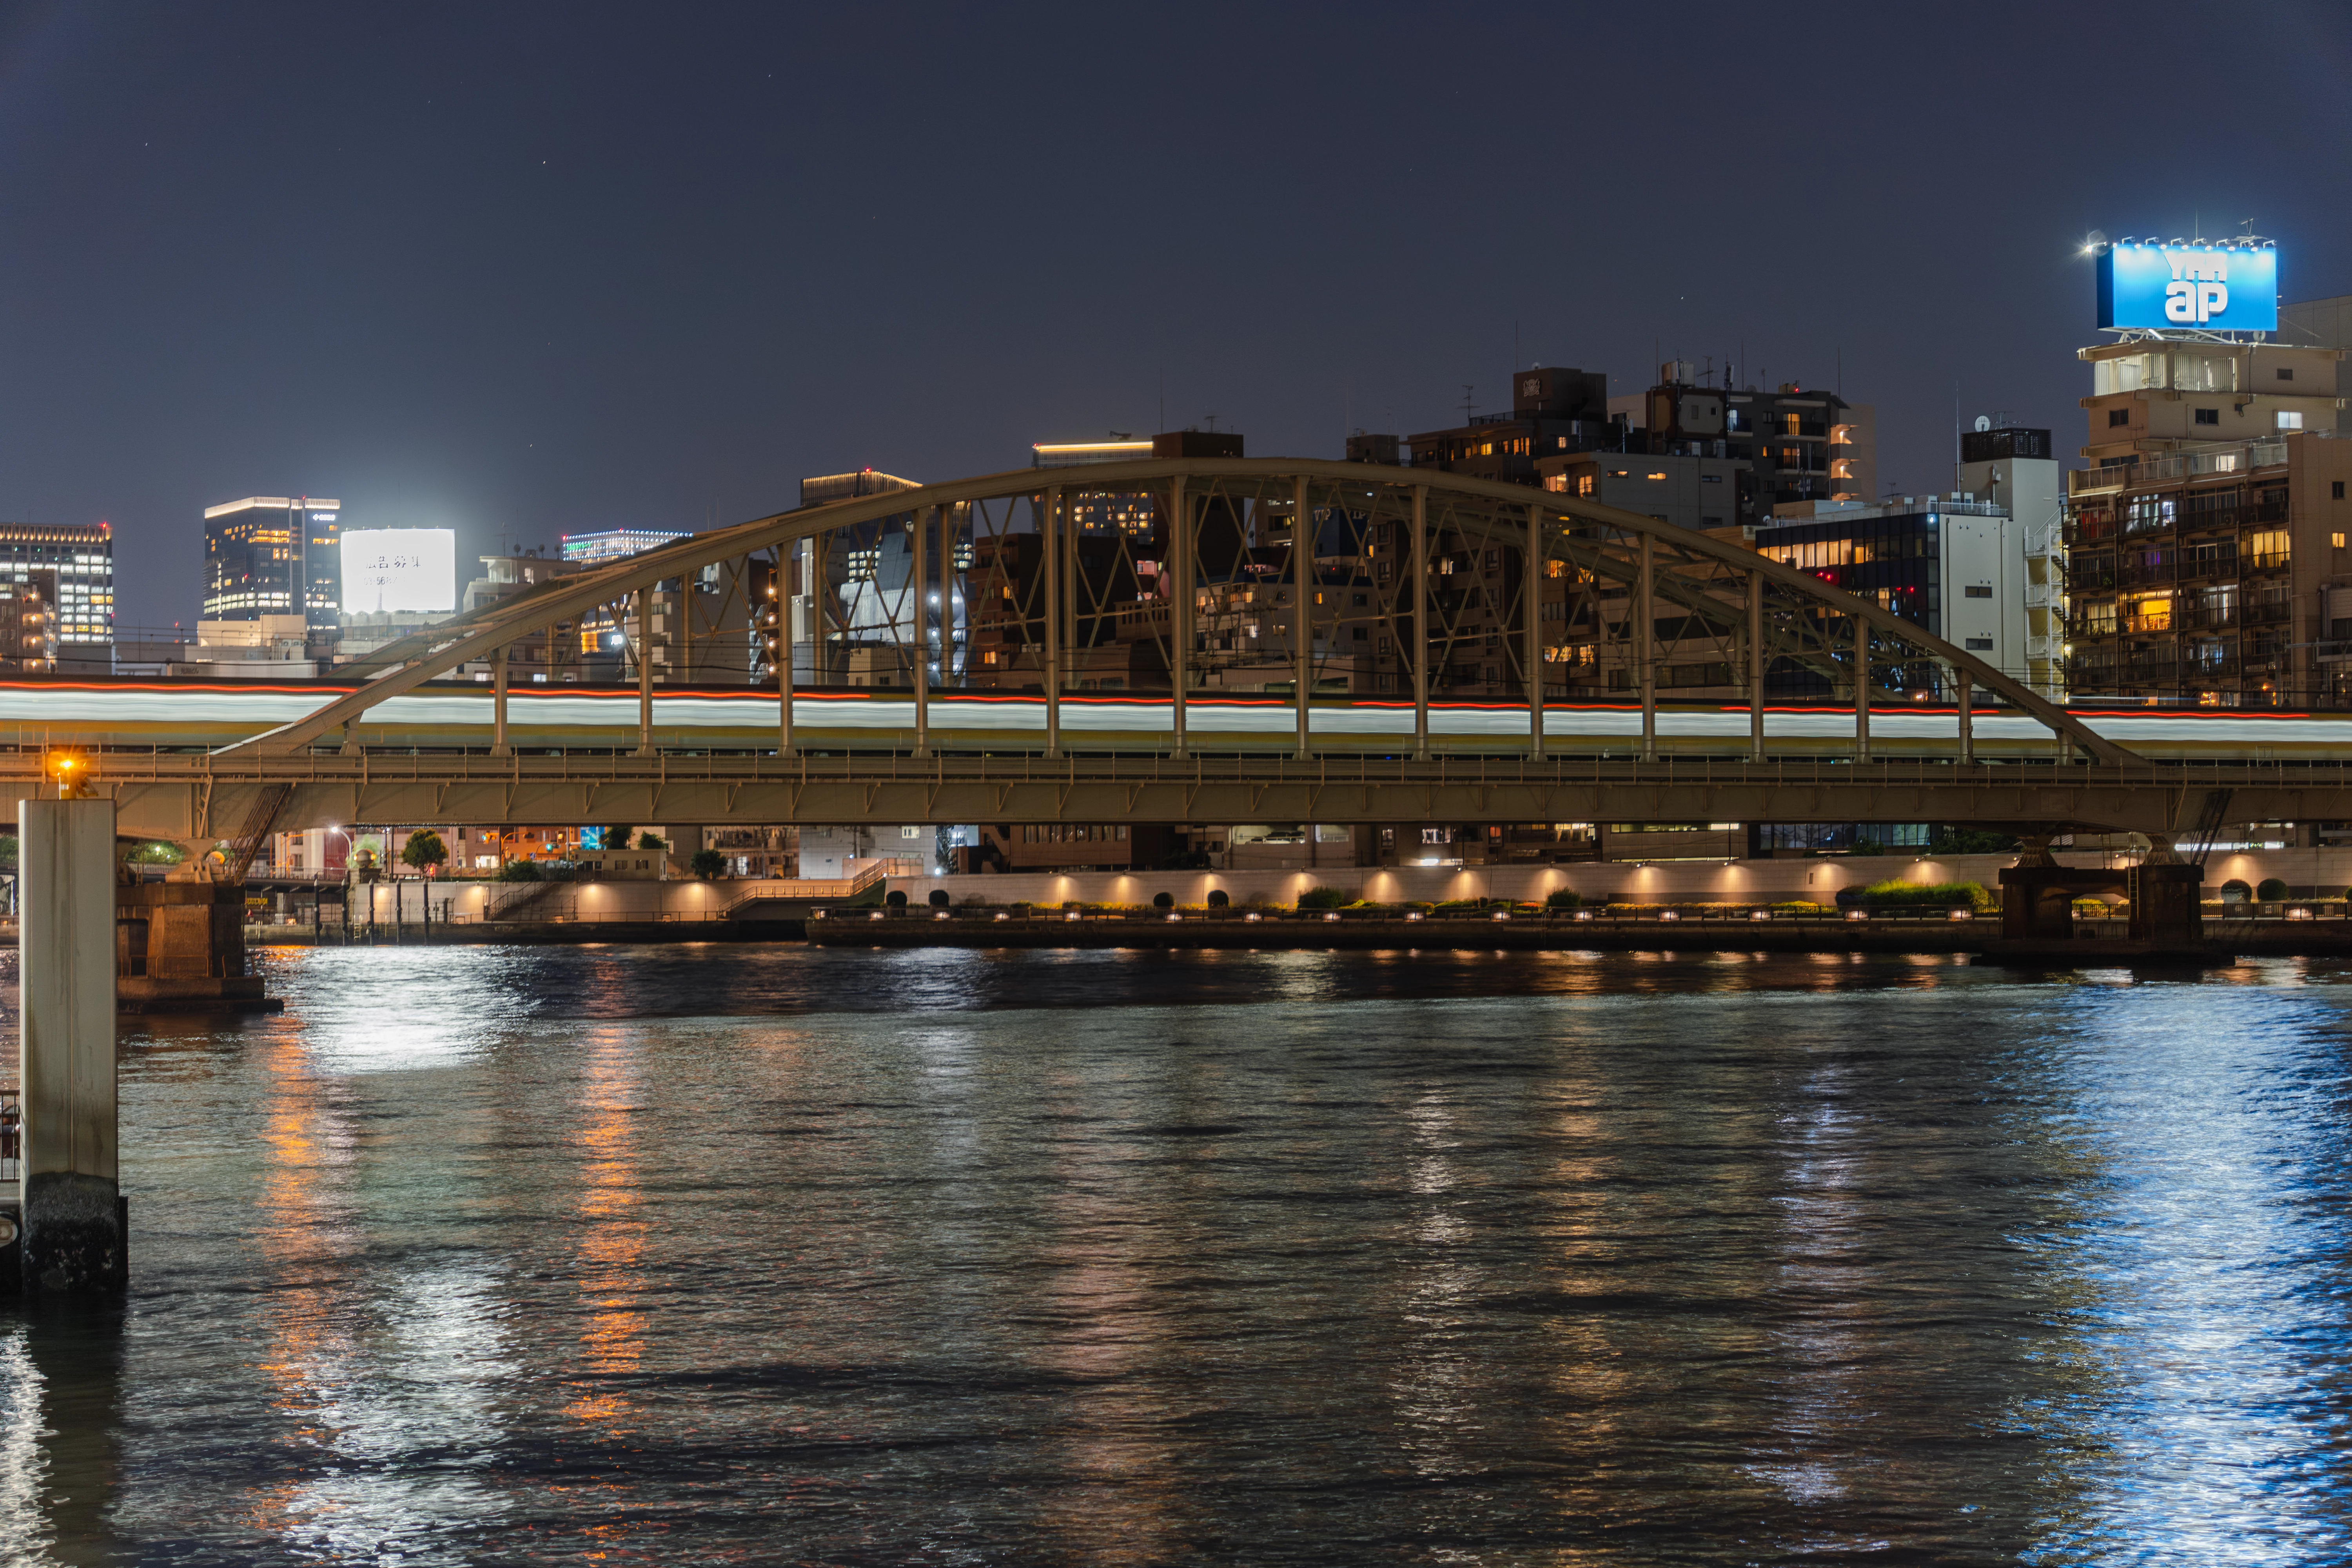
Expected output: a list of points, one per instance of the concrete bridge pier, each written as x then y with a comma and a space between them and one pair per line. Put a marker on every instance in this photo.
2167, 903
73, 1214
180, 946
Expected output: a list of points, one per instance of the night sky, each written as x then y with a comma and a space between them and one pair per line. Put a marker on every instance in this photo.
536, 269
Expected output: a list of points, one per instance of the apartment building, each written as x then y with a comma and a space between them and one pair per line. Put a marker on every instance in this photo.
2206, 560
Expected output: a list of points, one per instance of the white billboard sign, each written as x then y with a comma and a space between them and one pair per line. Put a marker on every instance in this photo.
400, 569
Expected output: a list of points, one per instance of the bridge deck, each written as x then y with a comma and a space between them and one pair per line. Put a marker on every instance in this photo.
172, 714
196, 795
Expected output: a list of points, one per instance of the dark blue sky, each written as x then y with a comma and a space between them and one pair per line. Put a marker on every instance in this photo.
548, 269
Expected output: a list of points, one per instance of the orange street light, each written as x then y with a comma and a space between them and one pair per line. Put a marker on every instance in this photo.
71, 773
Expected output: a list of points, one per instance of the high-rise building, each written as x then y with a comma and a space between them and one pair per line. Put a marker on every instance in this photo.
615, 545
2205, 552
80, 602
275, 555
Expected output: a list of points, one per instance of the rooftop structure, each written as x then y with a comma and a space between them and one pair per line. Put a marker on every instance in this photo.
615, 544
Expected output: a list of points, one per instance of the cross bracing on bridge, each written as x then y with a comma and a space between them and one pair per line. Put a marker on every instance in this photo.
1282, 576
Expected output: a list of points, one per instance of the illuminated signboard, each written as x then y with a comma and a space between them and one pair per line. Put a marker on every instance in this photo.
400, 569
2223, 288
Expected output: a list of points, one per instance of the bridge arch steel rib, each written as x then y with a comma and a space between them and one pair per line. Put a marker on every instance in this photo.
443, 651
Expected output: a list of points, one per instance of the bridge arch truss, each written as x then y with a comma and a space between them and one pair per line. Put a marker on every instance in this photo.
1189, 577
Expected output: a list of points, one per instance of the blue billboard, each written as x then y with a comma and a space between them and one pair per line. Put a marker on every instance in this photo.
2221, 287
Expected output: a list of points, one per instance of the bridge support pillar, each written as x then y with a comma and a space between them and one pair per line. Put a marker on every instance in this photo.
179, 947
499, 703
73, 1212
2167, 903
2037, 901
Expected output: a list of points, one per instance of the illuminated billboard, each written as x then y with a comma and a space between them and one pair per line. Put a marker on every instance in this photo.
400, 569
2213, 287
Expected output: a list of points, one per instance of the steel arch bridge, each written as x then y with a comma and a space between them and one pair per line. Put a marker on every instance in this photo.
991, 614
1385, 539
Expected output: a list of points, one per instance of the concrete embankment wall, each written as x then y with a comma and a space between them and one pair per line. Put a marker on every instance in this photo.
672, 912
1659, 882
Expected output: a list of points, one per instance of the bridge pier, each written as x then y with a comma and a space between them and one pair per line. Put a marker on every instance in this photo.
2037, 901
179, 947
2167, 903
74, 1219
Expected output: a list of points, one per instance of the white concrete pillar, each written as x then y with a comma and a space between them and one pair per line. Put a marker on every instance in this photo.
73, 1223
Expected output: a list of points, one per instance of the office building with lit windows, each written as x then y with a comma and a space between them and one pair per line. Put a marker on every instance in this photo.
64, 572
1132, 513
1954, 567
275, 555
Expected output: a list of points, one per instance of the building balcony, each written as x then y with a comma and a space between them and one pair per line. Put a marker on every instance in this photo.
2268, 612
2091, 575
2091, 530
2205, 566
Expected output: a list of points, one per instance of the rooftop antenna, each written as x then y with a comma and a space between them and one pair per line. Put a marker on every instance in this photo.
1163, 397
1465, 401
1211, 419
1956, 433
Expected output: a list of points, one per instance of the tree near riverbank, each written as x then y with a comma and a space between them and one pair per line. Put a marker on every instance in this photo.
424, 851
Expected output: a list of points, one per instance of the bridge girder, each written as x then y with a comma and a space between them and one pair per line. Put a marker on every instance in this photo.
1562, 524
195, 797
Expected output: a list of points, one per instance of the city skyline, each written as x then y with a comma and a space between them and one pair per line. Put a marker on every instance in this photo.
493, 300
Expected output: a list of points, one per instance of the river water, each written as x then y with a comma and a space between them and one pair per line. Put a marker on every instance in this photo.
778, 1255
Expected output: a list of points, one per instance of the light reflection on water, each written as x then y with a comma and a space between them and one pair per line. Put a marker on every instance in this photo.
719, 1253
